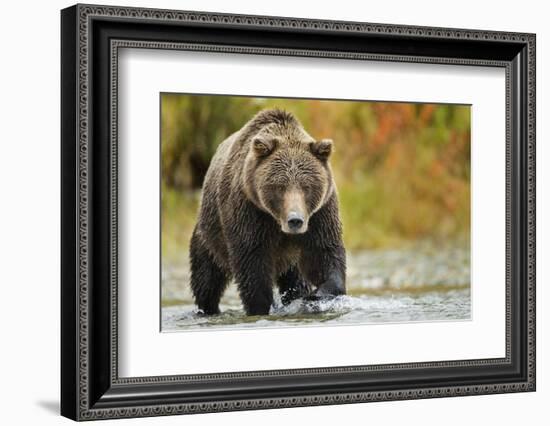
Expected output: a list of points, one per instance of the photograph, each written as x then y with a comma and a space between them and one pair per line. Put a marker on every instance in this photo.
262, 209
291, 212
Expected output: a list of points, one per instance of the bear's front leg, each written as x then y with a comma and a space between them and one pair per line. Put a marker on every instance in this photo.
333, 286
326, 270
252, 269
250, 234
254, 280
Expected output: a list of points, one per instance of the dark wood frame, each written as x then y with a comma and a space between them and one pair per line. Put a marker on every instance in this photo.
90, 38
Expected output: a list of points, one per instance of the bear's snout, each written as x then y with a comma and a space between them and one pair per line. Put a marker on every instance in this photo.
294, 218
295, 222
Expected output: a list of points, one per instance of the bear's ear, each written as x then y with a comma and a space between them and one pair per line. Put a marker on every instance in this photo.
321, 149
263, 146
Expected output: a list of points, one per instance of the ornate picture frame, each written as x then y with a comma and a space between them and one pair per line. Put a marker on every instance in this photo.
91, 37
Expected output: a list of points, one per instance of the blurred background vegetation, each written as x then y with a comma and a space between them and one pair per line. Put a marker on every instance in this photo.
402, 169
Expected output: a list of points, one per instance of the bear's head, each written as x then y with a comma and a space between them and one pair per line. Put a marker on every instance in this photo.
287, 173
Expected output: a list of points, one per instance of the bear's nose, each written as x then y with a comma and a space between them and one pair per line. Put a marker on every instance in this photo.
295, 221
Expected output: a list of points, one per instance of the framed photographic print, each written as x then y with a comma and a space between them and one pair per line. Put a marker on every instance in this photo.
263, 212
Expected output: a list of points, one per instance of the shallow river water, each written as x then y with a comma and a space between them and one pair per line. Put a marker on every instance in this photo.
415, 285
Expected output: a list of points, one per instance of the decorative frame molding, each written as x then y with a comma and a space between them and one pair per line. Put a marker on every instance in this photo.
91, 388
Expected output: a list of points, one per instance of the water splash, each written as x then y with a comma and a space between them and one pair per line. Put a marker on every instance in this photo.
362, 309
423, 283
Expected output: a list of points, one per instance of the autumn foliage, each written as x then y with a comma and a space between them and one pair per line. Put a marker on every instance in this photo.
402, 169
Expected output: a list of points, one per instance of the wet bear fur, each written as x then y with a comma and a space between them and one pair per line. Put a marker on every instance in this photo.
268, 218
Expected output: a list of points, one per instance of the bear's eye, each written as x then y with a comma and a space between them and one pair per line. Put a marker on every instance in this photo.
305, 187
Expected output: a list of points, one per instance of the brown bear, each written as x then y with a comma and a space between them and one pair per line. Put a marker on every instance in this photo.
268, 215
